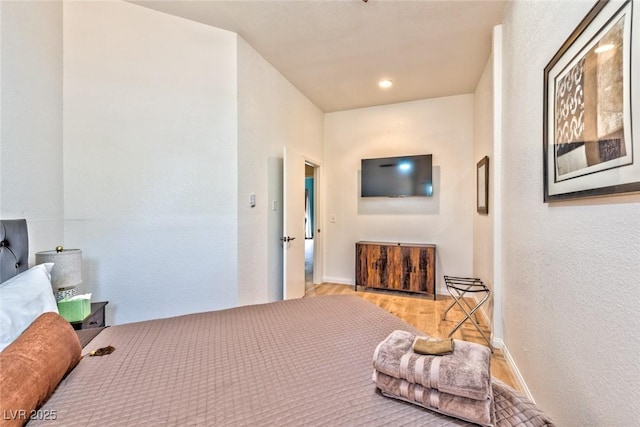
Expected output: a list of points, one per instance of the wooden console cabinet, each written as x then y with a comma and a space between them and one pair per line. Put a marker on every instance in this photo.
396, 266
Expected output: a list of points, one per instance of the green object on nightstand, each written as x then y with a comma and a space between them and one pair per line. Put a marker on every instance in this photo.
74, 309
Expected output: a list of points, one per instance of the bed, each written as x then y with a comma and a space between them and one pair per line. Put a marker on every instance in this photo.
295, 362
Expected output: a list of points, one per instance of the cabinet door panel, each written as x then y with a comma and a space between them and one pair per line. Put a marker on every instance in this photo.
393, 271
413, 274
381, 265
428, 259
362, 272
370, 269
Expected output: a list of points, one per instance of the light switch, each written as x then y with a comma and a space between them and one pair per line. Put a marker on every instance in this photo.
252, 200
332, 217
274, 205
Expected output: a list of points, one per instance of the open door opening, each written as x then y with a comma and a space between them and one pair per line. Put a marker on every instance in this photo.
309, 225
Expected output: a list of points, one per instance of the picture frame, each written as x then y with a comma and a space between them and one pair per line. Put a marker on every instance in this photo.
591, 100
482, 186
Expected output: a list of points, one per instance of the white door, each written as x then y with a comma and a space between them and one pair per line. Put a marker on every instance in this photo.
293, 230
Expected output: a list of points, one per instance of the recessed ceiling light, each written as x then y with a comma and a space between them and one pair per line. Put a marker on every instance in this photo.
385, 84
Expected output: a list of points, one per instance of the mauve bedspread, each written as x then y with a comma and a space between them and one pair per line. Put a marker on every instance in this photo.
299, 362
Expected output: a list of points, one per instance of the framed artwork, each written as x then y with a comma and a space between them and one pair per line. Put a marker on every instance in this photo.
590, 94
482, 175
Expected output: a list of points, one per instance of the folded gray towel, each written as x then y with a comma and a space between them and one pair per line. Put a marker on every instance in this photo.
476, 411
466, 372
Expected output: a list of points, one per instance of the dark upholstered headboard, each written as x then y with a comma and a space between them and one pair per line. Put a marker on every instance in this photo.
14, 248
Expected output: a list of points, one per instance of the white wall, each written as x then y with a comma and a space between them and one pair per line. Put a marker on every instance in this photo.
483, 146
272, 114
496, 177
150, 155
442, 127
570, 269
31, 119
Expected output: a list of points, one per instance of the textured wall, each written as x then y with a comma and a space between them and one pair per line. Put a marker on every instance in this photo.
483, 146
442, 127
150, 159
272, 114
570, 270
31, 120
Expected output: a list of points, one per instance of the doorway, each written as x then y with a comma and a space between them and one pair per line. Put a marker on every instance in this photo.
309, 224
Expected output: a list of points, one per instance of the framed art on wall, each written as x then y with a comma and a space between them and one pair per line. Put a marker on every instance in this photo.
589, 148
482, 190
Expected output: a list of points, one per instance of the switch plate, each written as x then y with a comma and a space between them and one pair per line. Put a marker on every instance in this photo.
332, 217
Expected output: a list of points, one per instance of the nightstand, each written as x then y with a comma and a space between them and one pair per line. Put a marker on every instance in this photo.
95, 319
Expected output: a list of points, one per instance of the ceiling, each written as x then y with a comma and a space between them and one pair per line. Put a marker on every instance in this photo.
336, 51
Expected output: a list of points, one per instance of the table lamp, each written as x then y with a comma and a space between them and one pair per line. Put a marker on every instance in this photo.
66, 274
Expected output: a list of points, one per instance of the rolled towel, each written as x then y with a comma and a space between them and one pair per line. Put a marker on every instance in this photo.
433, 347
475, 411
466, 372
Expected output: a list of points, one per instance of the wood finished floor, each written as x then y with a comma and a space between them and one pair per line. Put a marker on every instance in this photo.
426, 315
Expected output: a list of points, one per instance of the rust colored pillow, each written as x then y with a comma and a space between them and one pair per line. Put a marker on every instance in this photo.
32, 366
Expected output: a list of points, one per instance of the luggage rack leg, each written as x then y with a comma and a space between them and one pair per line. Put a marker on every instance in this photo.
458, 287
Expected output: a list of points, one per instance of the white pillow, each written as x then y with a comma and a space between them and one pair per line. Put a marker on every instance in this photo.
22, 299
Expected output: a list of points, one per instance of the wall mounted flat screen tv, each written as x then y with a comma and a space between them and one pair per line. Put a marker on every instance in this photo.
405, 176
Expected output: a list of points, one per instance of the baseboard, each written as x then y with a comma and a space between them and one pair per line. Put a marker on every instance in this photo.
522, 385
337, 280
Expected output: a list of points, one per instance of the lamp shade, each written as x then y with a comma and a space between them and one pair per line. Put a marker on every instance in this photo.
67, 266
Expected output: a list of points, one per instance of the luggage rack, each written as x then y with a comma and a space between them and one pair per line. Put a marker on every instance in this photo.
458, 287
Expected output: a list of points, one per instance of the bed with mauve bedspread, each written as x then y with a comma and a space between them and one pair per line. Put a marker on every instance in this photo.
298, 362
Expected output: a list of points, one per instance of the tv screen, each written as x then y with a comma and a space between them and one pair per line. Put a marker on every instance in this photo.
404, 176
